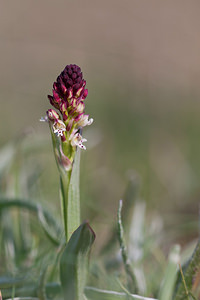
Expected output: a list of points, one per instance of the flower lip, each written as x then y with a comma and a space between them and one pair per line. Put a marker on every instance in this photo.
83, 120
77, 139
59, 127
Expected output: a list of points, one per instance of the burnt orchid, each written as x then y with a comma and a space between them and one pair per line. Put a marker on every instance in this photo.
66, 120
68, 97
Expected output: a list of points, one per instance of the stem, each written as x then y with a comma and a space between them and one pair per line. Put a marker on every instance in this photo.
70, 196
69, 182
64, 188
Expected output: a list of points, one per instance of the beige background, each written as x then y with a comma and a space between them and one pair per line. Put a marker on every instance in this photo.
150, 44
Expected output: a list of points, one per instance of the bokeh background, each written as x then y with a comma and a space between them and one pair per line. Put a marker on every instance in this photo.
142, 65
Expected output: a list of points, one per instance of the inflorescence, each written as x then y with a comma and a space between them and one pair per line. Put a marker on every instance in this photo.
68, 97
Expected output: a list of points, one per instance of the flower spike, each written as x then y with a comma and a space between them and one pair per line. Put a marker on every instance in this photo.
67, 116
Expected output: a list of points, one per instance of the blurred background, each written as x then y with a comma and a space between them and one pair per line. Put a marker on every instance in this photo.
141, 63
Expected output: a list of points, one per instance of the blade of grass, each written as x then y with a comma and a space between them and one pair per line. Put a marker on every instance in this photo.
127, 266
6, 203
23, 298
7, 282
169, 280
7, 154
185, 286
189, 273
129, 198
99, 294
54, 239
41, 286
136, 242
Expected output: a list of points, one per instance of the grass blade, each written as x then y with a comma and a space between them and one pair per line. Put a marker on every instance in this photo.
136, 243
98, 294
189, 272
127, 265
168, 284
6, 203
54, 239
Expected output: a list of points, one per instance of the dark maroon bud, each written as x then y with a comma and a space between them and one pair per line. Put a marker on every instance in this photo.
85, 93
69, 84
78, 80
76, 86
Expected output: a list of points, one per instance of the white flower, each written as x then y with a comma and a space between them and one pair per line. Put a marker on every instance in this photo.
84, 121
59, 127
77, 139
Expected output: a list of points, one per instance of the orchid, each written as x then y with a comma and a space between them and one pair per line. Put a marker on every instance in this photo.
68, 117
66, 120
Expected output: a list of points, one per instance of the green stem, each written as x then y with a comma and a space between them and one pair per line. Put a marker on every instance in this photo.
64, 187
69, 183
70, 197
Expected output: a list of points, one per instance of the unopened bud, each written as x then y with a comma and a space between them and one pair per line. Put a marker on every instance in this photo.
52, 115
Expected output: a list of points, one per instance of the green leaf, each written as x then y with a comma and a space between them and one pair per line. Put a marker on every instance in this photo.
129, 198
21, 287
136, 244
168, 283
7, 154
41, 292
50, 222
7, 282
189, 272
46, 227
98, 294
24, 288
24, 298
74, 262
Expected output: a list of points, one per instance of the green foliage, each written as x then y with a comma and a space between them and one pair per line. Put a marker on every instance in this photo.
127, 266
74, 261
98, 294
36, 262
189, 273
47, 221
168, 284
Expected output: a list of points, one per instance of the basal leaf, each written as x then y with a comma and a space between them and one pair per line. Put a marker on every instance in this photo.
74, 262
